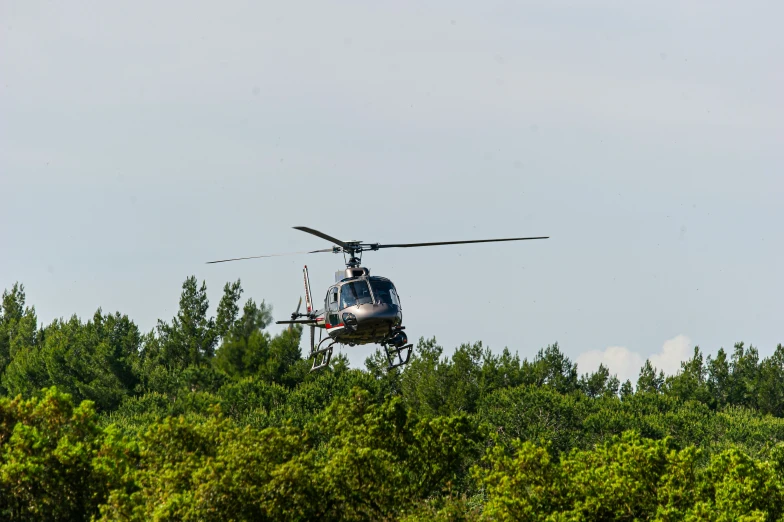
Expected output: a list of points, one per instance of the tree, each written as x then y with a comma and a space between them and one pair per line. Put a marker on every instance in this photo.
92, 360
744, 376
536, 414
245, 349
420, 382
228, 309
648, 381
18, 325
770, 391
503, 371
525, 486
461, 379
168, 431
735, 487
626, 390
284, 353
719, 379
435, 386
254, 317
55, 461
691, 381
192, 336
357, 460
551, 367
600, 383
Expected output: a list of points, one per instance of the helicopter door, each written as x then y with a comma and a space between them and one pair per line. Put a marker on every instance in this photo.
333, 318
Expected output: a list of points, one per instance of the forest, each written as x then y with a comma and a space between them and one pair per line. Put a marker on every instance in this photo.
209, 416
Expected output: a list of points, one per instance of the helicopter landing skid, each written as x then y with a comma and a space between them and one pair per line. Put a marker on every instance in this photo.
322, 356
397, 352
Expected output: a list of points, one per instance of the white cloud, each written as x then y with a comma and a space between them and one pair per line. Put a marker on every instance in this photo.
620, 360
626, 364
672, 353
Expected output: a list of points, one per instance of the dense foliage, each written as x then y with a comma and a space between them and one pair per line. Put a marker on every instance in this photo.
213, 418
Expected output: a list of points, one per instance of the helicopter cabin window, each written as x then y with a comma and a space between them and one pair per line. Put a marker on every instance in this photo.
332, 299
385, 293
354, 293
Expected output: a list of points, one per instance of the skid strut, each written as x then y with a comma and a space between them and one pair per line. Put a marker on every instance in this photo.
322, 356
397, 355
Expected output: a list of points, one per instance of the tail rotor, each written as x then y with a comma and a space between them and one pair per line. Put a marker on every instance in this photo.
295, 314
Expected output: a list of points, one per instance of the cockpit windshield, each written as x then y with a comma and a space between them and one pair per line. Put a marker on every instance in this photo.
354, 293
385, 293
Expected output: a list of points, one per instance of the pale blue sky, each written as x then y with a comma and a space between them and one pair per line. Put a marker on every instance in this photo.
140, 139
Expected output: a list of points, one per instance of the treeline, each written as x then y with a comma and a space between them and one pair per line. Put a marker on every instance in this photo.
212, 418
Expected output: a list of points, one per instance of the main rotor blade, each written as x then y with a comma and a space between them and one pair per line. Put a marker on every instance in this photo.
409, 245
270, 255
322, 235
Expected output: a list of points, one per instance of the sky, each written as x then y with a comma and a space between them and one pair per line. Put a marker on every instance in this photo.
139, 140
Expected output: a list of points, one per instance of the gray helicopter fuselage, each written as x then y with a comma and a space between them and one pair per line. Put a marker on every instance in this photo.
361, 310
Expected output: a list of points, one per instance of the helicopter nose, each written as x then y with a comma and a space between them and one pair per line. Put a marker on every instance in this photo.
372, 315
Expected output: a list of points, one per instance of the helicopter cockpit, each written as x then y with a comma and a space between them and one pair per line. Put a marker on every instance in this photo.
359, 292
354, 293
385, 292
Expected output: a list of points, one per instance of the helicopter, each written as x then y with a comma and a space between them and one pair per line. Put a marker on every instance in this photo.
358, 308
